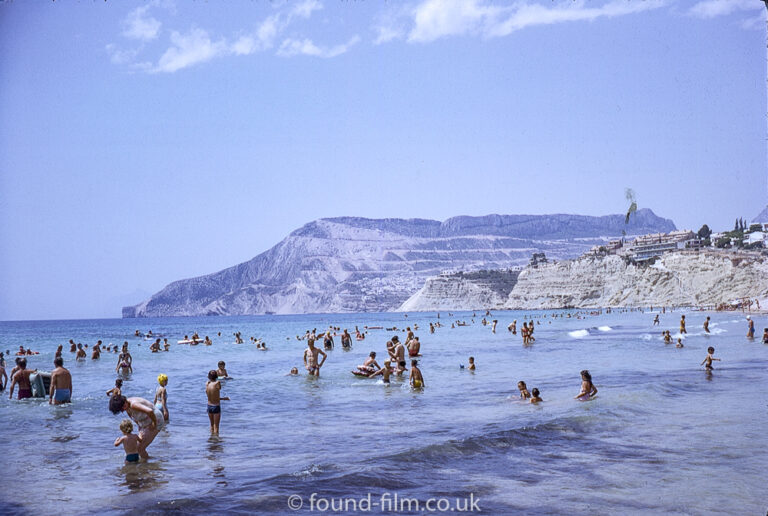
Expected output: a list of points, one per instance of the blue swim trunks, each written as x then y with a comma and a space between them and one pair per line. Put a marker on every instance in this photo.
214, 409
132, 457
62, 395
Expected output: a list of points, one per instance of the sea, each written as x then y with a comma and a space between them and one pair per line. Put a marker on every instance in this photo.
662, 435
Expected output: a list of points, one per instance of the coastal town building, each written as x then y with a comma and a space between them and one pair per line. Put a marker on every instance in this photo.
648, 247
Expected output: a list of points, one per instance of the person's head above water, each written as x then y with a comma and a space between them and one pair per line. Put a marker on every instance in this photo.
710, 350
221, 363
213, 375
521, 385
58, 362
372, 354
117, 403
586, 376
162, 379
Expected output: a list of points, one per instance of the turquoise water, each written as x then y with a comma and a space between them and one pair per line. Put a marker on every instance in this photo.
661, 437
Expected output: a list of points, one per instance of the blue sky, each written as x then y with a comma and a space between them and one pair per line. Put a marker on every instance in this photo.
145, 142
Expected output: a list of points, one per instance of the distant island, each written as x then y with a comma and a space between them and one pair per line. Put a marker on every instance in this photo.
351, 264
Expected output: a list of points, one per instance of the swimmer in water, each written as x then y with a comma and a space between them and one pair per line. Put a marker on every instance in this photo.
117, 389
679, 343
222, 370
707, 363
294, 372
385, 372
706, 325
129, 440
370, 363
416, 378
588, 389
535, 398
161, 396
471, 363
524, 394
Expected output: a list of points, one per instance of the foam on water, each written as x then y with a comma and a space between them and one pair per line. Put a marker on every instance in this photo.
578, 334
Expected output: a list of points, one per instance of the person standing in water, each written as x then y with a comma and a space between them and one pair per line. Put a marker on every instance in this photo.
416, 378
682, 324
21, 378
588, 389
213, 392
144, 414
750, 328
161, 396
311, 358
706, 324
61, 384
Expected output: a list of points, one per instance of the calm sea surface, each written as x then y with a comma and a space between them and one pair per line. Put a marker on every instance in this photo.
662, 437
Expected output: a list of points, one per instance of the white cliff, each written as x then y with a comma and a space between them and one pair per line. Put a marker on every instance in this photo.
705, 278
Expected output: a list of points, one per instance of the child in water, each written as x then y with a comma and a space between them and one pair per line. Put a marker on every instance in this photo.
385, 372
524, 394
213, 392
129, 440
535, 398
417, 380
471, 363
679, 343
116, 390
222, 370
708, 360
161, 396
588, 390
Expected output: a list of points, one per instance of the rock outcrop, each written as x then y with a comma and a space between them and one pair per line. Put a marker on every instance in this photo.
463, 291
705, 278
353, 264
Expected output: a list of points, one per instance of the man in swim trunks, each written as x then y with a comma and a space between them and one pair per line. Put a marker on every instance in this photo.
311, 358
21, 377
144, 414
61, 384
399, 355
414, 346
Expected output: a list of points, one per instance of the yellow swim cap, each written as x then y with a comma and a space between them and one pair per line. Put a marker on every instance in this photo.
161, 379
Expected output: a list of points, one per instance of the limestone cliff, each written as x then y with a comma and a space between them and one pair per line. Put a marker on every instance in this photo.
705, 278
463, 291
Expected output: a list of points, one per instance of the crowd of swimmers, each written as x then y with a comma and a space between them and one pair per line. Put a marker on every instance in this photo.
151, 417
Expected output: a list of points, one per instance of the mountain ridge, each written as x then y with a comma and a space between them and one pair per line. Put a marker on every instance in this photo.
355, 264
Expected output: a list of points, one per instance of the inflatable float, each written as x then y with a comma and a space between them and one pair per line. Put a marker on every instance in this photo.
40, 383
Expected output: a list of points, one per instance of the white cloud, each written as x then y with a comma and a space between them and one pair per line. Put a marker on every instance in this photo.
713, 8
292, 47
244, 46
306, 8
137, 25
196, 46
189, 49
434, 19
534, 14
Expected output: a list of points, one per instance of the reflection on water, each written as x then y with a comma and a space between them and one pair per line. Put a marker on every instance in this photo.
215, 450
142, 476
